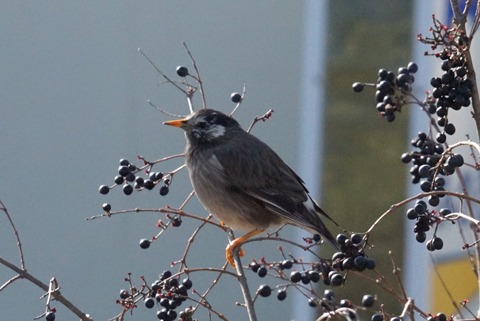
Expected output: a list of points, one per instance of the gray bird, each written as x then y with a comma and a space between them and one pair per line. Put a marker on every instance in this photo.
242, 181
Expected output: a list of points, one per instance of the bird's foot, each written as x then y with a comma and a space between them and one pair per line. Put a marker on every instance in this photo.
229, 255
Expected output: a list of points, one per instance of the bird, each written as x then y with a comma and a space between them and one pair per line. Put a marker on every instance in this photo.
242, 181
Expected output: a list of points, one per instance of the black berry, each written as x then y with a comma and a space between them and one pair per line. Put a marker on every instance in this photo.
182, 71
236, 97
264, 290
103, 189
145, 244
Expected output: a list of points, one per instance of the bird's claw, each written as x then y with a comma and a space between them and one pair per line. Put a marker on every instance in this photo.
229, 255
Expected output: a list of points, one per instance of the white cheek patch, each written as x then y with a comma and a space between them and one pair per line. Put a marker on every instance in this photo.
216, 131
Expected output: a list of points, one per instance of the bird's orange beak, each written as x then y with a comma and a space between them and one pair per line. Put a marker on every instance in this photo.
176, 122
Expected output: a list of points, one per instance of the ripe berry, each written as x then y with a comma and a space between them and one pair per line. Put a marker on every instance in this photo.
119, 180
187, 283
264, 290
377, 317
254, 266
412, 67
123, 171
103, 189
106, 207
127, 189
145, 244
124, 294
262, 272
236, 97
295, 276
281, 294
360, 262
148, 184
286, 264
345, 303
164, 190
149, 303
441, 317
341, 238
329, 295
182, 71
437, 243
165, 275
336, 279
370, 264
358, 87
314, 276
456, 160
312, 302
368, 300
49, 316
316, 237
356, 238
176, 222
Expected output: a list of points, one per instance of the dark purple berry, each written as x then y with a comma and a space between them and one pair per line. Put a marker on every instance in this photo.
127, 189
119, 180
182, 71
124, 294
123, 171
49, 316
145, 244
164, 190
286, 264
236, 97
148, 184
437, 243
187, 283
295, 276
412, 67
262, 272
358, 87
103, 189
149, 303
377, 317
368, 300
254, 266
281, 294
106, 207
264, 290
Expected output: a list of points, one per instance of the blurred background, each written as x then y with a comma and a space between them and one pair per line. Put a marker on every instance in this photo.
74, 93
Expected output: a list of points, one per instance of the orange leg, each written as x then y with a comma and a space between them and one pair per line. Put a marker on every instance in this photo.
236, 243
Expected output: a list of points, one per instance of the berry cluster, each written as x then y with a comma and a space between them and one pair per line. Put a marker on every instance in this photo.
453, 89
424, 220
351, 256
329, 304
429, 165
127, 176
167, 293
391, 89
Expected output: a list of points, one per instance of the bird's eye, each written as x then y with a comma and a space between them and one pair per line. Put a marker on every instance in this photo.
202, 125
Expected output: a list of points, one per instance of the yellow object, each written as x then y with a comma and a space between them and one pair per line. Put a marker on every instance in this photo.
460, 282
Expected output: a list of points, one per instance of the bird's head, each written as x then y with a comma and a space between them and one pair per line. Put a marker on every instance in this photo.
206, 126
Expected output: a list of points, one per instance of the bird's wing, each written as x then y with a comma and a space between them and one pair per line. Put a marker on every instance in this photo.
253, 168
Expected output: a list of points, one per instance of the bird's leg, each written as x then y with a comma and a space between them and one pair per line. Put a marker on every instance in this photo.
236, 243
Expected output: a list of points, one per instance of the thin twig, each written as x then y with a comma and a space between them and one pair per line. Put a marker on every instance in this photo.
197, 78
4, 209
161, 73
240, 102
264, 117
57, 295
